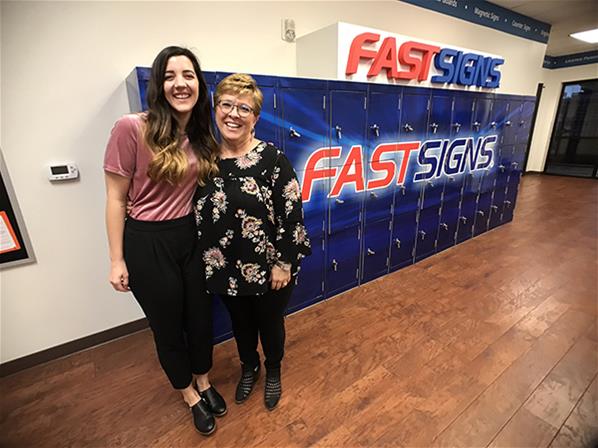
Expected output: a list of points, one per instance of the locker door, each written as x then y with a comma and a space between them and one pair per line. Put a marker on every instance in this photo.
488, 181
375, 250
468, 207
303, 126
441, 105
498, 196
378, 205
525, 122
432, 193
404, 228
383, 117
347, 131
466, 218
342, 267
519, 155
504, 167
407, 198
211, 79
512, 122
383, 124
462, 115
314, 209
453, 187
310, 281
268, 126
507, 157
449, 219
449, 214
427, 229
414, 117
502, 175
481, 116
482, 213
498, 116
496, 208
511, 194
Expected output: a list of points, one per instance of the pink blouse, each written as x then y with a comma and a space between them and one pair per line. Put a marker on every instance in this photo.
127, 155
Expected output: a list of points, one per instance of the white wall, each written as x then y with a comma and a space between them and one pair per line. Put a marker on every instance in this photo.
63, 66
553, 82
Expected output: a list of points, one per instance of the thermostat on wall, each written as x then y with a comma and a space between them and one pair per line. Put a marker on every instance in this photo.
66, 171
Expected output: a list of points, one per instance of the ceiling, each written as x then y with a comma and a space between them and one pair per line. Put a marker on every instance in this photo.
565, 16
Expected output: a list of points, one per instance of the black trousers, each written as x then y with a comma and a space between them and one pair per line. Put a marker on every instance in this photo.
166, 277
261, 315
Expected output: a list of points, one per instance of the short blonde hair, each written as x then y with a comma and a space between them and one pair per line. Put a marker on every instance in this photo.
240, 84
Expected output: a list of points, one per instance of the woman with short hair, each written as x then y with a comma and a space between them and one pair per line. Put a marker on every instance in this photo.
250, 224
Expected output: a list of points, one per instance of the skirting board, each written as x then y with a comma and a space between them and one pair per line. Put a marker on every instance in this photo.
68, 348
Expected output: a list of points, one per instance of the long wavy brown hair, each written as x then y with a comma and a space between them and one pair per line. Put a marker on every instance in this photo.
162, 135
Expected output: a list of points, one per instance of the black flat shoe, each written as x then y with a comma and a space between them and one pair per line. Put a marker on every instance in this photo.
273, 388
203, 419
214, 400
249, 376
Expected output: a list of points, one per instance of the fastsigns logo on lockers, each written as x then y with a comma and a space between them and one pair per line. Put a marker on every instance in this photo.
372, 55
436, 158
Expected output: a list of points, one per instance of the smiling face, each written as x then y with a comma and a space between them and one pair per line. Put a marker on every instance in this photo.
234, 128
181, 86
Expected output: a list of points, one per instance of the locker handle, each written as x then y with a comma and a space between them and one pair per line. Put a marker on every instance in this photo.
502, 168
408, 127
444, 225
430, 184
493, 125
373, 195
522, 122
339, 201
293, 133
477, 125
507, 203
494, 207
334, 265
508, 123
403, 189
398, 243
463, 219
371, 252
457, 126
376, 129
514, 164
480, 212
434, 127
422, 234
339, 133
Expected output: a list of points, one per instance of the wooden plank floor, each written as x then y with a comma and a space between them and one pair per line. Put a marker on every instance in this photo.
491, 343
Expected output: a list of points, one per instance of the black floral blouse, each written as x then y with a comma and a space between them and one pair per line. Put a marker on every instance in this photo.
248, 218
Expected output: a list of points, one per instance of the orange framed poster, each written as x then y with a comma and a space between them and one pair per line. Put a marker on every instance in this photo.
8, 238
15, 247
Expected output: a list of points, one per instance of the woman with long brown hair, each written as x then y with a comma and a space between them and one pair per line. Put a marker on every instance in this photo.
155, 160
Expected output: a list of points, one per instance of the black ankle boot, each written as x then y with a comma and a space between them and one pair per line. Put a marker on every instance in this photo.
273, 389
249, 376
203, 419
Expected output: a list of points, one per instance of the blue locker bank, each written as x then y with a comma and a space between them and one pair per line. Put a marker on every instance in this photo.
390, 174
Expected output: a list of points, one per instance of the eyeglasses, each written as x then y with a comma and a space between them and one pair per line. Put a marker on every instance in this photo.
242, 109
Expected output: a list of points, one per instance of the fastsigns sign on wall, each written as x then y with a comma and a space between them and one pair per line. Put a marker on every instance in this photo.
366, 54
